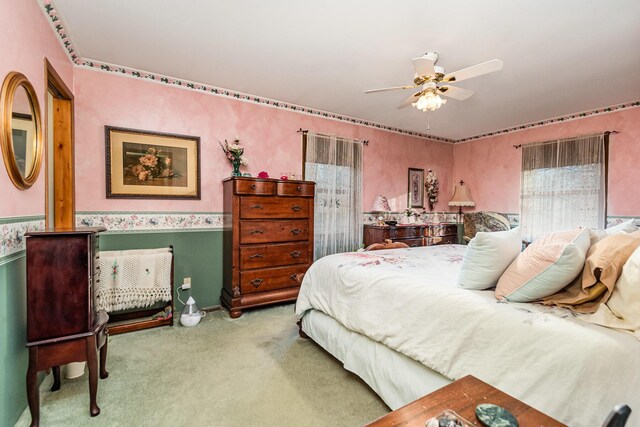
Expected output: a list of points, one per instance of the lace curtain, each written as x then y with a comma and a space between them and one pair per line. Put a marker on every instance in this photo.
335, 164
563, 185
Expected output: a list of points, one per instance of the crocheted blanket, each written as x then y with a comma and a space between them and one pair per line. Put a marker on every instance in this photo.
133, 278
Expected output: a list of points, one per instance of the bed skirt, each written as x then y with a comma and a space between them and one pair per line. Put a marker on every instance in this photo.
396, 378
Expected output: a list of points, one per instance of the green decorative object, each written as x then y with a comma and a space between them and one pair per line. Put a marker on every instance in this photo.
494, 416
236, 168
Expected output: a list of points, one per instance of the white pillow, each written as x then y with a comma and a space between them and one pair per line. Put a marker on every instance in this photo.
624, 227
487, 257
545, 266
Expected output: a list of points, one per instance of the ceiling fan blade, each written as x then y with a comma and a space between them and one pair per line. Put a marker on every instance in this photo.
455, 92
474, 71
424, 66
384, 89
411, 99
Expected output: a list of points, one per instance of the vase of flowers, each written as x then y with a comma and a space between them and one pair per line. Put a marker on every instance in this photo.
410, 215
234, 153
431, 184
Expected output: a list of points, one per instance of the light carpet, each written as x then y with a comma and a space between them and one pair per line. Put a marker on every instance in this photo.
250, 371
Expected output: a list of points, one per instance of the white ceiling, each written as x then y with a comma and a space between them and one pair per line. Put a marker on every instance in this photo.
560, 57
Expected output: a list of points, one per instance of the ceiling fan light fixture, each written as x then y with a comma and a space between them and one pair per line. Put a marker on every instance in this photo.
429, 101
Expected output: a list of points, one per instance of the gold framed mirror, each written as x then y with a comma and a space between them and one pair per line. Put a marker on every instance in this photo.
21, 131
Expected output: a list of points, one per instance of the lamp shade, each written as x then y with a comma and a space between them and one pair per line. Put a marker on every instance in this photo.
461, 196
380, 204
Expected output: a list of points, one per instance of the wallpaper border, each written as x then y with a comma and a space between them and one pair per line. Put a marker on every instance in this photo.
150, 221
12, 231
59, 28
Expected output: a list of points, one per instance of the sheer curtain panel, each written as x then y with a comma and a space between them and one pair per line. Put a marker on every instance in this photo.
335, 164
563, 185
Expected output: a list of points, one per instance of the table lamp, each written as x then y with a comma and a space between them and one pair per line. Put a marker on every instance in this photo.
460, 198
381, 206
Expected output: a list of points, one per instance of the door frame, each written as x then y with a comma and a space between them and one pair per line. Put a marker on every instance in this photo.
58, 89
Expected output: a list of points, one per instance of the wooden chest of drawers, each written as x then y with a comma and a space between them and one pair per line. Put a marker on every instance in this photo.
268, 240
412, 235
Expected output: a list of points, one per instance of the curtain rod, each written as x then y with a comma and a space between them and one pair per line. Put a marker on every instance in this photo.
565, 139
305, 131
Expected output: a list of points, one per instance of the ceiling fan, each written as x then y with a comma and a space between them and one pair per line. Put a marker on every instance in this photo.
432, 81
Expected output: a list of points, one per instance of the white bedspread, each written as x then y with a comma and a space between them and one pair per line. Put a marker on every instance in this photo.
408, 300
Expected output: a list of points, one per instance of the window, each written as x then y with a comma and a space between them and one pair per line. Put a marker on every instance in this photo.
335, 164
563, 185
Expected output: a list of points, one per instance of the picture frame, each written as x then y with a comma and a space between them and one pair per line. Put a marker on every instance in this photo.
415, 196
23, 138
151, 165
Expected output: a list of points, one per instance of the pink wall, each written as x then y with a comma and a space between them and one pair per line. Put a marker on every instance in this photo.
25, 40
268, 135
491, 166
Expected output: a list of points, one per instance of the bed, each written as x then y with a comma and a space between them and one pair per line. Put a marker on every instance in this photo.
397, 319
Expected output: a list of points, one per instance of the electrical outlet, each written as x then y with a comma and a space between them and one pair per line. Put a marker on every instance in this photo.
186, 283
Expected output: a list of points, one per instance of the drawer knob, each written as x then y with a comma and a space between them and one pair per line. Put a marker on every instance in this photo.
256, 232
296, 231
299, 188
256, 256
294, 277
296, 208
252, 186
257, 282
256, 207
295, 254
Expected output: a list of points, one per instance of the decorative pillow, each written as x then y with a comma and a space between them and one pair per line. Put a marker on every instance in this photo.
595, 235
627, 227
601, 270
622, 311
484, 221
487, 257
545, 266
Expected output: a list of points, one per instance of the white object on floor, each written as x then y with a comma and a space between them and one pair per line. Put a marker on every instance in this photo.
74, 370
191, 314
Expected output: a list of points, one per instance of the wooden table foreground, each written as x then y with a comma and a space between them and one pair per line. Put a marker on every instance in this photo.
462, 397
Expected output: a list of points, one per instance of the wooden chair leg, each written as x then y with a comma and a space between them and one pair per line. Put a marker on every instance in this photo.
92, 363
33, 394
56, 378
103, 357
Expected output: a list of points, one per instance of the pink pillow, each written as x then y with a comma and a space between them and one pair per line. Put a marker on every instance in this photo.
545, 266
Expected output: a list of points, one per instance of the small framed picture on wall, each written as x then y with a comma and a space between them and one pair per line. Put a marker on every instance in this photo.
416, 188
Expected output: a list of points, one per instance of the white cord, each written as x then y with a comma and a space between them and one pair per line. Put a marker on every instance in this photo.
179, 288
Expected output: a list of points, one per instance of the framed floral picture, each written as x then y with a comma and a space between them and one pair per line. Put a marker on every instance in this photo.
146, 165
416, 186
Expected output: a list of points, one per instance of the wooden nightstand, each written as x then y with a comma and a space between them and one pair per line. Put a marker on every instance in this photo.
462, 397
